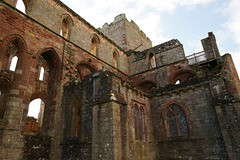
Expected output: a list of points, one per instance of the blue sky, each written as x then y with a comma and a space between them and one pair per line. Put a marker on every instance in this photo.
189, 21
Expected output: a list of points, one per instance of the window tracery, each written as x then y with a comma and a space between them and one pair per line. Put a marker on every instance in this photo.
138, 122
177, 122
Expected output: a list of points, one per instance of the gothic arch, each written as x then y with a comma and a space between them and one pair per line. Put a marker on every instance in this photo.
21, 45
95, 43
115, 58
15, 37
165, 116
54, 64
181, 75
66, 26
151, 59
84, 69
41, 95
52, 55
148, 85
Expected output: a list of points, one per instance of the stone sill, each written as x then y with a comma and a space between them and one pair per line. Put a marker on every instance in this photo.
180, 139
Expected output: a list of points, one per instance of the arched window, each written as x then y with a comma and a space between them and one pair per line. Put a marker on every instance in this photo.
13, 63
180, 76
152, 62
177, 122
64, 30
138, 122
84, 69
42, 69
95, 45
148, 85
115, 59
21, 6
66, 26
35, 116
12, 55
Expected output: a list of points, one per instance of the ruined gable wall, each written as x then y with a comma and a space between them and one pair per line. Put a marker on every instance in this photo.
169, 58
164, 54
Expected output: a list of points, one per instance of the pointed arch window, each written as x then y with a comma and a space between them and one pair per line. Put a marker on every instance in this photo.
138, 122
12, 55
66, 27
177, 121
115, 59
95, 45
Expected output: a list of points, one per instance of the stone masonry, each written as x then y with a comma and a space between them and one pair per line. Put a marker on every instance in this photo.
107, 94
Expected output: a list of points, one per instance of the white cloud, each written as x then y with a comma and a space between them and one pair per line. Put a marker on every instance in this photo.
236, 57
233, 12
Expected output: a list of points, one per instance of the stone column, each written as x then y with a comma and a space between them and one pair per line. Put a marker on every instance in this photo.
106, 139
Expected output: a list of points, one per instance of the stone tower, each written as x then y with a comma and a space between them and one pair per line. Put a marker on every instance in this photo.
126, 34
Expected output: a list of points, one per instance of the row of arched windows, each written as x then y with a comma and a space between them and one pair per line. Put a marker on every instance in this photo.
47, 73
65, 31
176, 121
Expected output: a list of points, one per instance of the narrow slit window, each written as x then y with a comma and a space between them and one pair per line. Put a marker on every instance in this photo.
41, 76
65, 28
139, 122
152, 61
136, 122
13, 63
61, 32
115, 59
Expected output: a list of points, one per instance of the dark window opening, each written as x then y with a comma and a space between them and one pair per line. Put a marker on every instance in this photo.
95, 45
115, 59
138, 122
65, 28
177, 121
